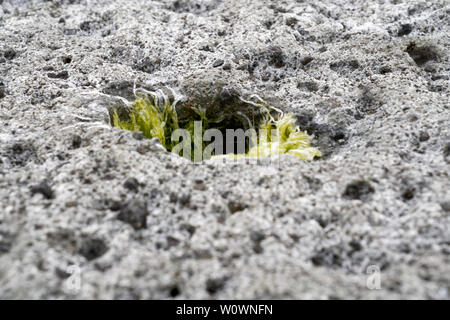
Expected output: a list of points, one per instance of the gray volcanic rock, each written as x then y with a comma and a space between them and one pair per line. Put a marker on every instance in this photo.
369, 79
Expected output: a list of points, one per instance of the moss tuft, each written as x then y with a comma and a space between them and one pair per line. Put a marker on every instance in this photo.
278, 137
153, 119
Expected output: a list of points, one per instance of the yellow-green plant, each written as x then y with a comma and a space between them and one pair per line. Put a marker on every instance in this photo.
278, 137
153, 115
156, 117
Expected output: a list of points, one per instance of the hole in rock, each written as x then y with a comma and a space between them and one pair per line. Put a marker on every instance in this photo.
200, 133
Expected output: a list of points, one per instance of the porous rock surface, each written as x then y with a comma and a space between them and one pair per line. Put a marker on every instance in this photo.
93, 212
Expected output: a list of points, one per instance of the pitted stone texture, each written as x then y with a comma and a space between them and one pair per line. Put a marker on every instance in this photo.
373, 92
